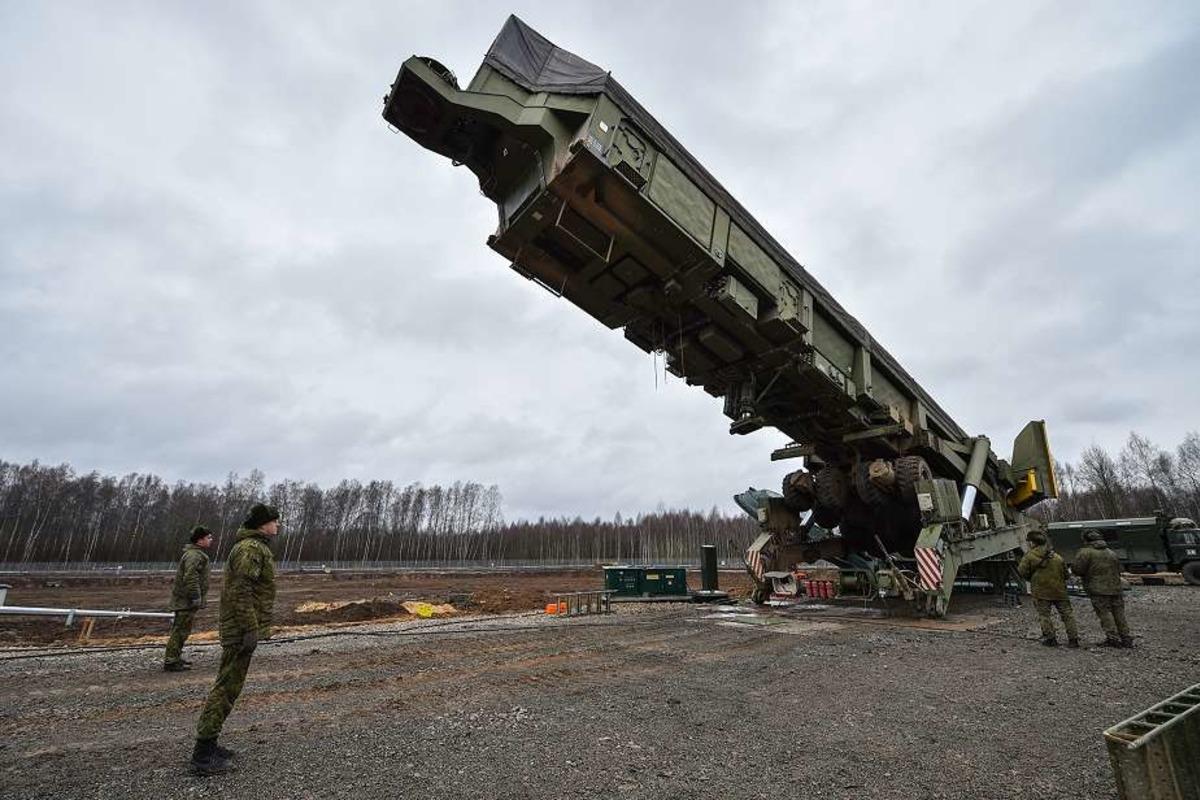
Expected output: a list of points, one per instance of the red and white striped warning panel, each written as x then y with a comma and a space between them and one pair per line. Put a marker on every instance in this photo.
754, 558
929, 566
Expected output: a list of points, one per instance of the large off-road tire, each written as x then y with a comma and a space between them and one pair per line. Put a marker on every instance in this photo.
867, 491
831, 486
910, 470
798, 490
1191, 573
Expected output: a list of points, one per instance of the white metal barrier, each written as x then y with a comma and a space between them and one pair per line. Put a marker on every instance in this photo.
86, 613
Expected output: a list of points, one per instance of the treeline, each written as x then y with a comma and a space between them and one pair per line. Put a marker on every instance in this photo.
1137, 481
52, 514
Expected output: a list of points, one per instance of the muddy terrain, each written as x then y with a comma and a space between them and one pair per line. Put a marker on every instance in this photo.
347, 597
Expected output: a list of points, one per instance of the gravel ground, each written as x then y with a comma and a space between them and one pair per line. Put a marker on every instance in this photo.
660, 701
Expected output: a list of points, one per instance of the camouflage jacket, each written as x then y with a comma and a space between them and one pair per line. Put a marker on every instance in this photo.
1099, 568
190, 589
1046, 571
248, 593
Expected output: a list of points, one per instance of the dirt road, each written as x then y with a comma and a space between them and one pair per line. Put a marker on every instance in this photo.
654, 702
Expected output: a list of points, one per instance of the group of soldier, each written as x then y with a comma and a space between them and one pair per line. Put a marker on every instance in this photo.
1097, 567
247, 604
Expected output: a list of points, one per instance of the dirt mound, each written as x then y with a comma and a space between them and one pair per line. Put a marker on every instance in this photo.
371, 608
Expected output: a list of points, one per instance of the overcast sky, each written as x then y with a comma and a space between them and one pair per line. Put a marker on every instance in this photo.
215, 256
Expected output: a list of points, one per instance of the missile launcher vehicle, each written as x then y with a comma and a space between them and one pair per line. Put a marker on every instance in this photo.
599, 204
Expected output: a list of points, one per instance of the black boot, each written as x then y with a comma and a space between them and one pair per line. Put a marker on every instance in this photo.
205, 760
1073, 644
1050, 641
1110, 642
1126, 642
176, 666
225, 752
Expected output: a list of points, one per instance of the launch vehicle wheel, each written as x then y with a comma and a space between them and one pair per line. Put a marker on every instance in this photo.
1191, 573
867, 491
909, 471
831, 488
798, 490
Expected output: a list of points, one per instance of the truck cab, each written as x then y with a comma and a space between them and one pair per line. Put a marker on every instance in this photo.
1183, 546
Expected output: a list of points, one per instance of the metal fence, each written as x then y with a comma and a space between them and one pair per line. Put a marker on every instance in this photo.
1155, 755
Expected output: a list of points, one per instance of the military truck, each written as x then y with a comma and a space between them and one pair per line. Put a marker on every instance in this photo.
1144, 544
599, 204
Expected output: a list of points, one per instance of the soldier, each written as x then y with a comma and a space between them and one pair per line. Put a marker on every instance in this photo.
1100, 570
1047, 572
247, 602
189, 594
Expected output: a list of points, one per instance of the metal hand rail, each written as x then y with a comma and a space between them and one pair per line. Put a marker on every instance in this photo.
72, 613
579, 603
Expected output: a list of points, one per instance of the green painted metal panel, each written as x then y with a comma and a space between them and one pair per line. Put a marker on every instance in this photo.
682, 201
627, 581
631, 154
753, 261
659, 581
832, 344
623, 581
888, 394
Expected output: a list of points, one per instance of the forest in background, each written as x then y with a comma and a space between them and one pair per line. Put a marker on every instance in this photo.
1135, 482
53, 514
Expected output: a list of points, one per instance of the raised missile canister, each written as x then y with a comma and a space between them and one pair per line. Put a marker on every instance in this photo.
601, 205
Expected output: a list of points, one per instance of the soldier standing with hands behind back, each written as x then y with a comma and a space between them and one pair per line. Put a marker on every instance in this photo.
247, 603
189, 594
1100, 570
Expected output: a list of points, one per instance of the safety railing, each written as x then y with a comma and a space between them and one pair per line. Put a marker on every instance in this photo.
573, 604
83, 613
1155, 755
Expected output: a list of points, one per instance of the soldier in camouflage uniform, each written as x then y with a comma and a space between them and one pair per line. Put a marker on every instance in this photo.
1100, 570
189, 594
247, 603
1047, 573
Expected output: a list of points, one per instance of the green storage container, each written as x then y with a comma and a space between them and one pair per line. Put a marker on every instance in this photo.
664, 581
626, 581
623, 581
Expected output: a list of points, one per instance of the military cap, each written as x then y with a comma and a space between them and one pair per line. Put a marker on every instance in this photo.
199, 532
1092, 535
260, 515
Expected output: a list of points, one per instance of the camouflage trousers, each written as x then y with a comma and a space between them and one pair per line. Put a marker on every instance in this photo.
181, 628
1047, 622
1111, 611
235, 663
